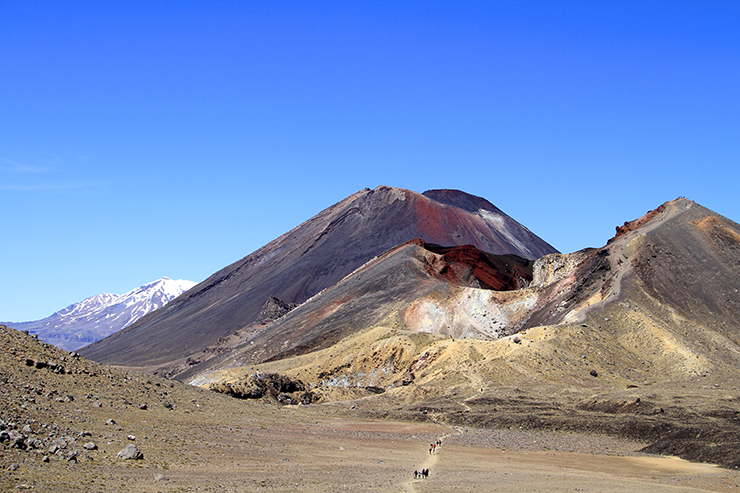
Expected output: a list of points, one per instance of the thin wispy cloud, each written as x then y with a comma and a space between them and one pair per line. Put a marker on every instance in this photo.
24, 177
41, 187
10, 166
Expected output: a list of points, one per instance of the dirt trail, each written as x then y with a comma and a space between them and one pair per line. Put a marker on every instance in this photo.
430, 461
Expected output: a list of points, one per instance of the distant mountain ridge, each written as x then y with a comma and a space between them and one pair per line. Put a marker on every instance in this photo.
101, 315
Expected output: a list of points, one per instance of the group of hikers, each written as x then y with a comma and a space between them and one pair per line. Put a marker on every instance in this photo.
424, 473
433, 446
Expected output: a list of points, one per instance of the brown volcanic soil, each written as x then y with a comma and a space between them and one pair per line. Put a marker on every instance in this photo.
208, 442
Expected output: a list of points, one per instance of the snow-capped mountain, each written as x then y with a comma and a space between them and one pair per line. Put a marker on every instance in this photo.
101, 315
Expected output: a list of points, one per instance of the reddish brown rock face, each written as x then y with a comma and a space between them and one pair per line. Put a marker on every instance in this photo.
498, 272
633, 225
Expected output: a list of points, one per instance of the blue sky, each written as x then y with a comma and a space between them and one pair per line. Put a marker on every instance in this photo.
142, 139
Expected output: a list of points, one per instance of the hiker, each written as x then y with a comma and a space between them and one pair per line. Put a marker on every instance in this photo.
416, 474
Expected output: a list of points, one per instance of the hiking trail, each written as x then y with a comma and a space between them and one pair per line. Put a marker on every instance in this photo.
431, 460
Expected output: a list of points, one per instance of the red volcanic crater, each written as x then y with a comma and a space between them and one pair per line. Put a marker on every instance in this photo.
462, 264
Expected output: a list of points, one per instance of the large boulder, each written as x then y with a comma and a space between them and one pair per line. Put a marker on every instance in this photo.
130, 452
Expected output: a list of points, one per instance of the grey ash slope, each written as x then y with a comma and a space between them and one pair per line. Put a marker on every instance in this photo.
308, 259
379, 292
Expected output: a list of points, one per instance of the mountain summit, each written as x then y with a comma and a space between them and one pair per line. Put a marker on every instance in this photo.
310, 258
101, 315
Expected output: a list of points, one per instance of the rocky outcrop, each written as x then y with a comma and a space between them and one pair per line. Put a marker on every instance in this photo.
273, 309
556, 266
468, 266
271, 386
633, 225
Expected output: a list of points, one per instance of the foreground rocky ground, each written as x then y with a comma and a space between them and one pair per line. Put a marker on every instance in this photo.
65, 420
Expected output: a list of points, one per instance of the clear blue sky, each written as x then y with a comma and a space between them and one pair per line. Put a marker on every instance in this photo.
141, 139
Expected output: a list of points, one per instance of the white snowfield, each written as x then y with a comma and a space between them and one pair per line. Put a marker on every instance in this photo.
101, 315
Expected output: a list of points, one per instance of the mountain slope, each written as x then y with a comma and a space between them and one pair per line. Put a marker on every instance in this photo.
684, 259
312, 257
102, 315
384, 291
639, 338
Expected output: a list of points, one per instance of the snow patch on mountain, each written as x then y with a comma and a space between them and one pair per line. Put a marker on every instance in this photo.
101, 315
504, 227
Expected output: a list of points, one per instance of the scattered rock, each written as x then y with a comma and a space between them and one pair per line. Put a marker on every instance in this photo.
19, 440
60, 443
14, 467
110, 422
594, 373
286, 399
143, 407
90, 446
160, 477
130, 452
131, 437
36, 444
308, 398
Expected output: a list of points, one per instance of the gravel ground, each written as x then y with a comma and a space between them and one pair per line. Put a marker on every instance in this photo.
519, 440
